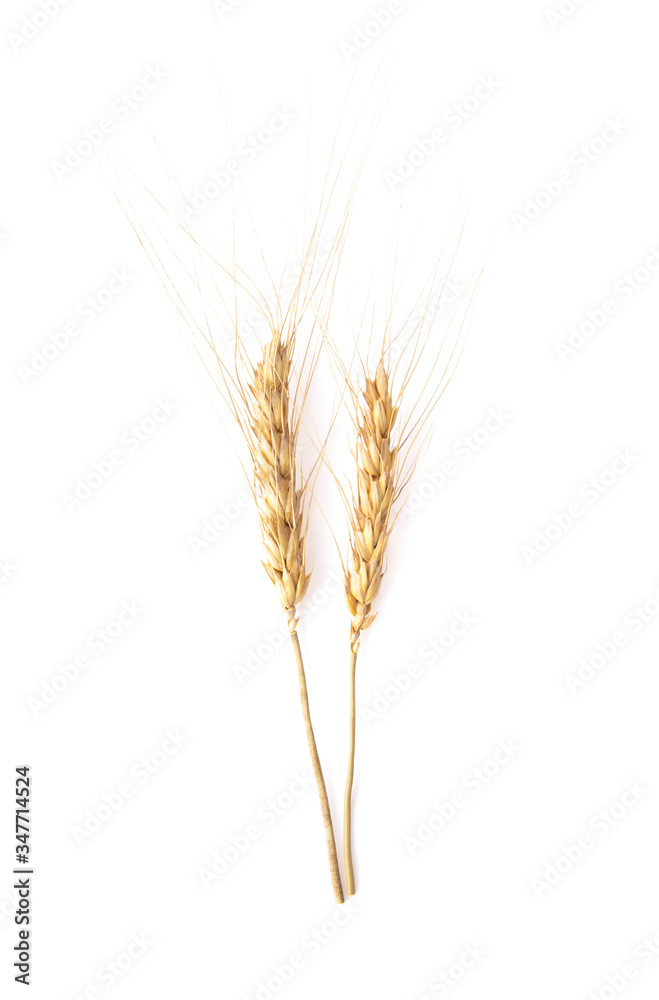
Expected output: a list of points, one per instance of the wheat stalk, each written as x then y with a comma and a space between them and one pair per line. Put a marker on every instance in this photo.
280, 506
369, 532
385, 455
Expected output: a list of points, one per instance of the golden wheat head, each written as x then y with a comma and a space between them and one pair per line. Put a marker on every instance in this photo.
370, 518
279, 498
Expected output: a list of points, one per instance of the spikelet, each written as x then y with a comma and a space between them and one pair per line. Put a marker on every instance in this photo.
370, 524
279, 498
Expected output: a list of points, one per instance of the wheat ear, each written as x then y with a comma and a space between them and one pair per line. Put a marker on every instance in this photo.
370, 527
371, 514
280, 506
279, 499
386, 455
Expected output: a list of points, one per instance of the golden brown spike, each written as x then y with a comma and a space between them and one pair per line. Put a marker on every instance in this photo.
279, 497
370, 526
280, 506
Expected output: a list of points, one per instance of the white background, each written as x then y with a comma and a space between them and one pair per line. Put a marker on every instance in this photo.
67, 574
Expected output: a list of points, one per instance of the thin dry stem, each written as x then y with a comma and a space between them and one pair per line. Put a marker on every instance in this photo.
347, 797
318, 773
